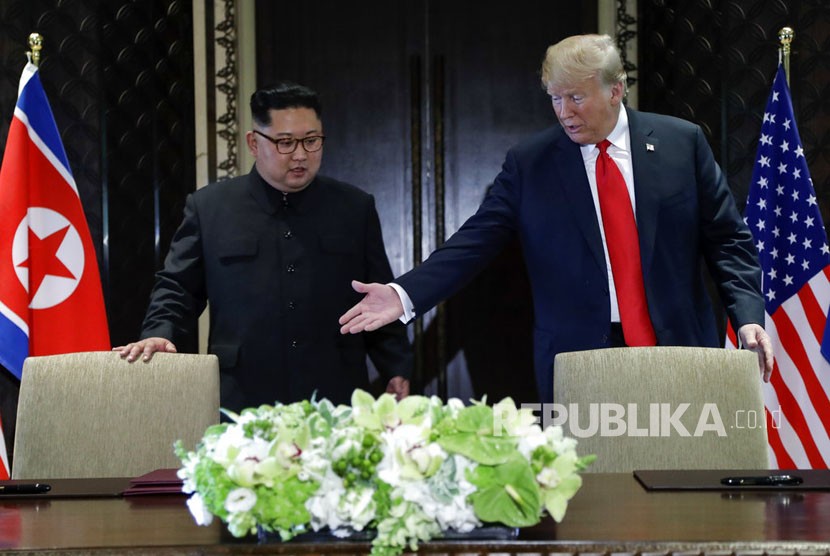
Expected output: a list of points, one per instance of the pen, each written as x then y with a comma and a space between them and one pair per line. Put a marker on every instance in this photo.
763, 480
25, 488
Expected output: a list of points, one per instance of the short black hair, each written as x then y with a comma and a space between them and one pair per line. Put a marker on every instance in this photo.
280, 96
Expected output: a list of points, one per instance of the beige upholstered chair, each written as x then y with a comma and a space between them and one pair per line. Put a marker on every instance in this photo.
93, 414
628, 406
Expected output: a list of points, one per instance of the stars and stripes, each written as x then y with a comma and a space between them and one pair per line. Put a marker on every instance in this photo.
783, 214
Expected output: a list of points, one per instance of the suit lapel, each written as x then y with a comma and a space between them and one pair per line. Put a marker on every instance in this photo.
567, 165
645, 162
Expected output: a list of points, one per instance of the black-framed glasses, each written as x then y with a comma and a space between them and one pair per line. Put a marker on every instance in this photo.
287, 145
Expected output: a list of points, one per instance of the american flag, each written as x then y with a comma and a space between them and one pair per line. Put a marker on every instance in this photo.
783, 214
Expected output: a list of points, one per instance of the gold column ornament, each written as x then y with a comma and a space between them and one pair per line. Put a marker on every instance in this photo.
785, 36
35, 43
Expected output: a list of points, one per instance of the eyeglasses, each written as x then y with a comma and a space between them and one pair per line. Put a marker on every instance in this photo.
288, 145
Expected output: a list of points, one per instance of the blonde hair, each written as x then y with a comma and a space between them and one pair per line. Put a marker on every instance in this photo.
582, 57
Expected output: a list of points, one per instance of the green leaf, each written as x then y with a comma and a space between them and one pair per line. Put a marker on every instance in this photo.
506, 493
443, 484
476, 418
585, 461
486, 450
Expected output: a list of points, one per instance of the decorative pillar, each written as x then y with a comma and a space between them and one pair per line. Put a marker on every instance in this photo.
224, 68
618, 18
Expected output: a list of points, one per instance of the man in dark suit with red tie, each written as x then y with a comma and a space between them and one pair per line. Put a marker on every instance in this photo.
616, 211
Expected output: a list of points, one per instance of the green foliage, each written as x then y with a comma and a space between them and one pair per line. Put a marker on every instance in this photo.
507, 493
282, 506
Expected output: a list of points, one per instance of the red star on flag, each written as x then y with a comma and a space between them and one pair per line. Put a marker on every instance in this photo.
43, 258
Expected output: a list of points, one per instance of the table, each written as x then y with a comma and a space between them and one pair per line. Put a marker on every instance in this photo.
611, 514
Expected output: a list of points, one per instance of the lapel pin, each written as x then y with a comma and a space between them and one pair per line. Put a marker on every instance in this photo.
649, 147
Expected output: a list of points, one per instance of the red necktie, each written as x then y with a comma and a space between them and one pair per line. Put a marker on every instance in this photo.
623, 250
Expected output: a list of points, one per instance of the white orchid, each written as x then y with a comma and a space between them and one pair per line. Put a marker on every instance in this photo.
410, 455
240, 500
200, 512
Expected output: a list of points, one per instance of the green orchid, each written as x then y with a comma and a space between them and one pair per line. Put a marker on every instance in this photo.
510, 420
386, 412
559, 482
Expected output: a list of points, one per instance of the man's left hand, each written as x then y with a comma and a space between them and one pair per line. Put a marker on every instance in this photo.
398, 386
754, 338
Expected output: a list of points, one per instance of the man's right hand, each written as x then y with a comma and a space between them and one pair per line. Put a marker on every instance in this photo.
380, 306
146, 348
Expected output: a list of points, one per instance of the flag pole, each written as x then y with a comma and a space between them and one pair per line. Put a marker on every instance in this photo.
35, 43
785, 36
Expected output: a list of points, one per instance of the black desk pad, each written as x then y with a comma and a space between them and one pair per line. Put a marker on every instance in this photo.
672, 480
73, 488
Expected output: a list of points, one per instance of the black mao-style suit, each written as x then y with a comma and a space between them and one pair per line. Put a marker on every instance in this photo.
686, 216
277, 273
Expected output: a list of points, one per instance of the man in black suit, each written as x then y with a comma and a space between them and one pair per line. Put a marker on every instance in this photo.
272, 254
678, 212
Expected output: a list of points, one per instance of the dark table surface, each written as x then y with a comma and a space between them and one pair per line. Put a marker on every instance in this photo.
612, 513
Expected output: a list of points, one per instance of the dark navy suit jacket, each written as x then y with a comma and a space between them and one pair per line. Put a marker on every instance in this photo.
686, 218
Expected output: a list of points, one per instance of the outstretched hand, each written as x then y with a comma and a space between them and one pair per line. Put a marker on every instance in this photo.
380, 306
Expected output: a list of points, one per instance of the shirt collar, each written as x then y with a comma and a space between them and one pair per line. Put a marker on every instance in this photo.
619, 137
279, 200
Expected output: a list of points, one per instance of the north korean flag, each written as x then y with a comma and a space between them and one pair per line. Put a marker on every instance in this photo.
50, 290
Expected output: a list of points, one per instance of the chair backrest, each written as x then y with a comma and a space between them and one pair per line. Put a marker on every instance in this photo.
663, 407
93, 414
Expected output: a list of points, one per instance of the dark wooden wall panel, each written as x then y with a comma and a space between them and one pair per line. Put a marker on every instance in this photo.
713, 63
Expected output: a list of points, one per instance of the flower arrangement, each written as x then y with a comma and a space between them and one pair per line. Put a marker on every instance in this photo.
408, 470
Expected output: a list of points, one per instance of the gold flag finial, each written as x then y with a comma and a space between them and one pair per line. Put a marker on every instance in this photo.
35, 43
785, 36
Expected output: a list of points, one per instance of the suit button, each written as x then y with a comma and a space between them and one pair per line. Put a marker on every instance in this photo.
294, 343
287, 235
290, 269
605, 338
292, 305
